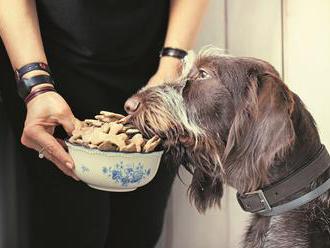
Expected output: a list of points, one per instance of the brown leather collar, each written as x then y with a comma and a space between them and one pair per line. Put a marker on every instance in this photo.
266, 200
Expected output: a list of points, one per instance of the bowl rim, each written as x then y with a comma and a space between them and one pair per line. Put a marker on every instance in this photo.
95, 150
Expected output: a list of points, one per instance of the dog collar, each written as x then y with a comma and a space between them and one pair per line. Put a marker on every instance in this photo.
266, 201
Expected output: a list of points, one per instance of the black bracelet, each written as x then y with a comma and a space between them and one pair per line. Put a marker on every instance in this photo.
25, 85
173, 52
19, 73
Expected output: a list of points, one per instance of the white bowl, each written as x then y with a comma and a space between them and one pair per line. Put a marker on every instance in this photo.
114, 171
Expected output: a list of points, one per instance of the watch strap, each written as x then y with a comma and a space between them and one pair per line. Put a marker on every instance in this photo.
19, 73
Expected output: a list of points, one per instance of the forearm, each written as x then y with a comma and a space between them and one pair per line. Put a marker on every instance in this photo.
20, 33
184, 21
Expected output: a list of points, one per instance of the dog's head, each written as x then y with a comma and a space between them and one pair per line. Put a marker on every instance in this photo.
226, 119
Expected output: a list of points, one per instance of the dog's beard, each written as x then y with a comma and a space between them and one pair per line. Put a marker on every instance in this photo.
164, 113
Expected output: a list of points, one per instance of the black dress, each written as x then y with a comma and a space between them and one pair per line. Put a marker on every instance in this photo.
100, 53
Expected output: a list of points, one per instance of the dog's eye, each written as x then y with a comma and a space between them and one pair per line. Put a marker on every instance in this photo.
203, 74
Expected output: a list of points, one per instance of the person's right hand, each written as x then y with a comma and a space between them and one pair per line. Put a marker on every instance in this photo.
44, 113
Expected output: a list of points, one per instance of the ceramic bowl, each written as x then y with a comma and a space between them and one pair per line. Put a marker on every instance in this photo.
114, 171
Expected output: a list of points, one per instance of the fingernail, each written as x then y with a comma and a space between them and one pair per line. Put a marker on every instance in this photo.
70, 165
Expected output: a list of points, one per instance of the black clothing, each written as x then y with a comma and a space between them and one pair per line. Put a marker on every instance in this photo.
100, 53
103, 38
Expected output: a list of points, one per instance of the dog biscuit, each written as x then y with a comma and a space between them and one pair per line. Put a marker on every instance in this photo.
107, 146
124, 120
151, 144
95, 123
138, 140
132, 131
111, 114
98, 137
106, 127
111, 132
115, 128
129, 148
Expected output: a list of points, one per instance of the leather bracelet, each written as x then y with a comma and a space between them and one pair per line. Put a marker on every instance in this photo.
19, 73
173, 52
38, 92
25, 85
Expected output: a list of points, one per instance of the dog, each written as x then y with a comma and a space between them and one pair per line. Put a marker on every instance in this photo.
232, 120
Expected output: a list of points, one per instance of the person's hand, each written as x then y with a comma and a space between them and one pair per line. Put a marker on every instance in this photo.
169, 69
44, 113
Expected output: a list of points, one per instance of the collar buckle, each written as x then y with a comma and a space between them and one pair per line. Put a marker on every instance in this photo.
254, 202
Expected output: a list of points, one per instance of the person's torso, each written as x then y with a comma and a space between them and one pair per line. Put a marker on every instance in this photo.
114, 32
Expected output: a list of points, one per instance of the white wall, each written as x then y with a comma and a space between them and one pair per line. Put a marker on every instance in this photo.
293, 35
307, 57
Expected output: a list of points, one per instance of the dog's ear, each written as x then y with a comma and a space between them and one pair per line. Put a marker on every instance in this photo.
203, 162
205, 191
261, 131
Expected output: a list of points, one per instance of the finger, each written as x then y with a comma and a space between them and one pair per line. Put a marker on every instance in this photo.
37, 137
68, 124
63, 168
62, 143
58, 164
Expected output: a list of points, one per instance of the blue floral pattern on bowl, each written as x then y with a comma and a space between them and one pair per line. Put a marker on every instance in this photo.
84, 168
128, 174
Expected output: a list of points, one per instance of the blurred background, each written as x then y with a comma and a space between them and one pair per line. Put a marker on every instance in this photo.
293, 35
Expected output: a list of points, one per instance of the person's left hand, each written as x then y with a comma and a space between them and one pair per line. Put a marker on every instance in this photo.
169, 69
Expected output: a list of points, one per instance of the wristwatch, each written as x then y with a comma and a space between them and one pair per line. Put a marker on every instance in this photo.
24, 85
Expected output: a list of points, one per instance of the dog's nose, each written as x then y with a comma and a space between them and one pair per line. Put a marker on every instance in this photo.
132, 105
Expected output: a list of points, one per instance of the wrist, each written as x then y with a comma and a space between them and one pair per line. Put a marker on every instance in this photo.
39, 91
173, 52
169, 63
29, 76
35, 73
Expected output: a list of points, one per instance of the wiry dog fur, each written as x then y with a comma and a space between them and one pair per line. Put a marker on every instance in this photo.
232, 120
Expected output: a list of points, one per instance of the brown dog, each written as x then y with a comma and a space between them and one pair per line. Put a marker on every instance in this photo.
232, 120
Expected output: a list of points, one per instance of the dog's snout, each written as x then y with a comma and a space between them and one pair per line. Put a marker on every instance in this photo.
132, 105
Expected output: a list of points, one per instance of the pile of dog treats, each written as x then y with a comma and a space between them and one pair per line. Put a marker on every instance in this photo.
111, 132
